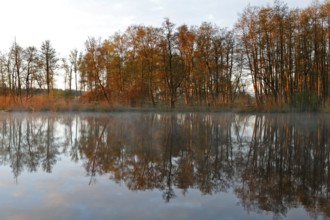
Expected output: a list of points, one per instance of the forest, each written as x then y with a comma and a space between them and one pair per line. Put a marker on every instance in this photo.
274, 57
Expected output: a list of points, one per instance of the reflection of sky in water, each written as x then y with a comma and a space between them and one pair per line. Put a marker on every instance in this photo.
65, 193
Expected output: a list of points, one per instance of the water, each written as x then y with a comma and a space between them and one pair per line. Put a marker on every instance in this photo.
164, 166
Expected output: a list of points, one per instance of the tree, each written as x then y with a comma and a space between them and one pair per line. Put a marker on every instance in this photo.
16, 55
143, 58
32, 66
287, 53
247, 26
74, 61
67, 74
94, 65
49, 61
173, 73
186, 39
205, 61
3, 75
117, 75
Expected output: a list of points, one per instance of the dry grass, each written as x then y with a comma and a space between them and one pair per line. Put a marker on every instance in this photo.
38, 103
6, 102
50, 103
55, 103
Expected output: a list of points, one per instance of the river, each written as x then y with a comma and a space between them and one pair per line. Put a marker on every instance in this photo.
164, 166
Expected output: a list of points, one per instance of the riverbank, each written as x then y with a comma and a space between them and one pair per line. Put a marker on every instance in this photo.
44, 103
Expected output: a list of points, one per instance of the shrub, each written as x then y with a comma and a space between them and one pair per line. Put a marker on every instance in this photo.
305, 101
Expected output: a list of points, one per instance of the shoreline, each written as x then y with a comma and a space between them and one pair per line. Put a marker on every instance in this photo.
196, 109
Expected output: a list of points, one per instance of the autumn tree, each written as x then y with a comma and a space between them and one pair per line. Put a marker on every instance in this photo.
247, 26
94, 65
186, 40
205, 62
287, 53
117, 76
144, 58
215, 58
171, 63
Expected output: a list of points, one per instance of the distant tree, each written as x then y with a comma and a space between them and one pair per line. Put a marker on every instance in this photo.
67, 74
82, 67
3, 75
16, 55
74, 61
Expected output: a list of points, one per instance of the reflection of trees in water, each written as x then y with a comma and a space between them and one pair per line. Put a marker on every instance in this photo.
27, 143
274, 162
163, 151
287, 165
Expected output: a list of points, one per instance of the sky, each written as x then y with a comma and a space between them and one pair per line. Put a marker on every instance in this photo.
68, 23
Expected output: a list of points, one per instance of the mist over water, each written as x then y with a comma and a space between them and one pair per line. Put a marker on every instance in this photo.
164, 166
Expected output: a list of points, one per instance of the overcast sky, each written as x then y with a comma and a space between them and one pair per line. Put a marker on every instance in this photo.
68, 23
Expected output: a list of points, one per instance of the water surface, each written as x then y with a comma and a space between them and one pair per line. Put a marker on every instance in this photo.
164, 166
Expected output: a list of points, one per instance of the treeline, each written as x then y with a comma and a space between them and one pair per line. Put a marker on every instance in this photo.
22, 70
284, 52
148, 64
288, 53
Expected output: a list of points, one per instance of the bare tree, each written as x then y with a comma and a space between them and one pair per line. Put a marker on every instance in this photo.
74, 61
16, 55
32, 66
49, 61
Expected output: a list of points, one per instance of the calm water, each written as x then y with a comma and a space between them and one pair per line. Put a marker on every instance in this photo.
164, 166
